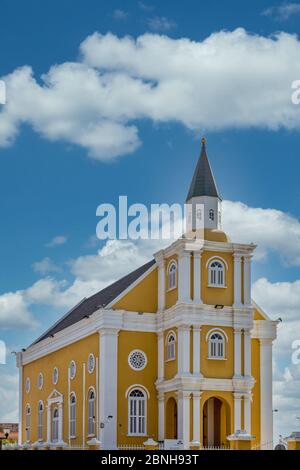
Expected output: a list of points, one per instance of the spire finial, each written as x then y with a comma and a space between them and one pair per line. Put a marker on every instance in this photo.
203, 140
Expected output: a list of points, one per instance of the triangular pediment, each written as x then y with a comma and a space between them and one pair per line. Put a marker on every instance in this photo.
55, 395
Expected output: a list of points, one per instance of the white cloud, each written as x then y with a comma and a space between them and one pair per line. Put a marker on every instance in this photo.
283, 11
46, 265
14, 311
8, 396
57, 241
98, 102
120, 15
161, 23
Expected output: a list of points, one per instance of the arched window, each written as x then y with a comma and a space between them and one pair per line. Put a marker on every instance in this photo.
216, 345
40, 420
72, 422
55, 420
137, 411
171, 342
91, 412
216, 273
28, 413
172, 275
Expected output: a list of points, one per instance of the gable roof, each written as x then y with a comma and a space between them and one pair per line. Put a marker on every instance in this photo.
99, 300
203, 182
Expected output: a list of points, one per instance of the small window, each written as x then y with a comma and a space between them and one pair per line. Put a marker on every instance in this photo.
72, 424
171, 344
137, 359
40, 420
91, 363
216, 274
91, 413
27, 385
55, 421
72, 369
172, 275
211, 214
216, 346
27, 423
40, 381
137, 408
55, 376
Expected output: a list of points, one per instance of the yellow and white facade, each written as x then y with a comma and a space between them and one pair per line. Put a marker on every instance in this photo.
182, 352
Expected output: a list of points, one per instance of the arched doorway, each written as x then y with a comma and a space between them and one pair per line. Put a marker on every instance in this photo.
216, 422
171, 419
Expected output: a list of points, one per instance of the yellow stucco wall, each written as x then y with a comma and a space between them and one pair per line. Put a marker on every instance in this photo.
79, 352
147, 342
215, 368
143, 297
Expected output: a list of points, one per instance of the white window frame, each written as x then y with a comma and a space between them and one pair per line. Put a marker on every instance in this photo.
55, 425
27, 385
137, 412
91, 412
216, 348
27, 422
91, 370
72, 415
216, 276
171, 346
55, 380
40, 381
172, 276
40, 420
72, 376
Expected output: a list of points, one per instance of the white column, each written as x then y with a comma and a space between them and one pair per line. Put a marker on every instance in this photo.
19, 365
108, 386
237, 279
197, 350
247, 353
237, 397
161, 284
160, 355
48, 423
247, 413
197, 278
183, 417
247, 280
196, 416
83, 404
60, 422
237, 351
161, 416
266, 405
183, 350
184, 275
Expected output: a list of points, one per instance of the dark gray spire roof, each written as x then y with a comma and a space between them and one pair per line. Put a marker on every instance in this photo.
203, 182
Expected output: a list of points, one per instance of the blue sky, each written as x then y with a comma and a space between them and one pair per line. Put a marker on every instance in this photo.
51, 185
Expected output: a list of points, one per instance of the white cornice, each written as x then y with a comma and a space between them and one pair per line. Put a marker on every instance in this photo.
192, 382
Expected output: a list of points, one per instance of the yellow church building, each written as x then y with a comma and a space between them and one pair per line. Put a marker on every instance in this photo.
177, 350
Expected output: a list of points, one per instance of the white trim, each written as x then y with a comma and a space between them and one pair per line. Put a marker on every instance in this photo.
173, 261
145, 399
131, 387
27, 384
40, 386
19, 361
91, 370
91, 389
132, 286
74, 375
40, 426
260, 310
216, 330
55, 381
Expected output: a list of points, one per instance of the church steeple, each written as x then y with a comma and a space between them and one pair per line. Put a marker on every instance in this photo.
203, 182
203, 196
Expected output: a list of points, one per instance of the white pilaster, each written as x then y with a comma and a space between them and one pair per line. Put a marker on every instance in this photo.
266, 405
183, 350
237, 351
183, 416
237, 412
108, 386
20, 366
197, 277
184, 275
196, 350
160, 355
247, 280
237, 279
60, 422
247, 413
161, 416
48, 423
196, 416
161, 283
247, 353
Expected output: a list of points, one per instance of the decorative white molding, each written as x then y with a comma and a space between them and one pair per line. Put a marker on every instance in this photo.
219, 258
183, 417
237, 286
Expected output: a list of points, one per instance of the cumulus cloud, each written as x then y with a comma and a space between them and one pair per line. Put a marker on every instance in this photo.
8, 396
46, 265
97, 102
57, 241
161, 23
14, 311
